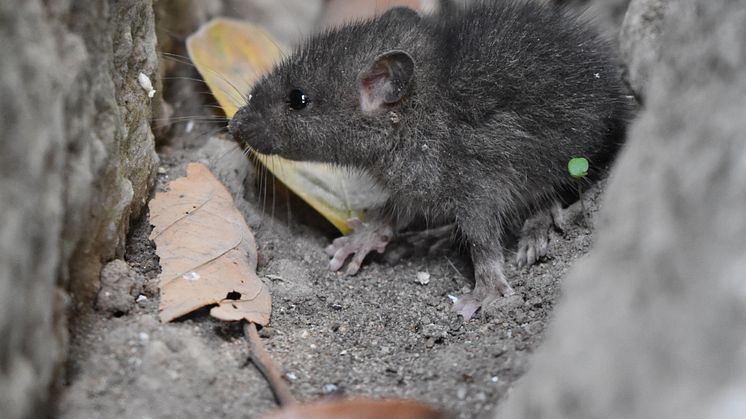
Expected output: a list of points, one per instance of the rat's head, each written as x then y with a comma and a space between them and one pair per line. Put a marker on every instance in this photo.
332, 99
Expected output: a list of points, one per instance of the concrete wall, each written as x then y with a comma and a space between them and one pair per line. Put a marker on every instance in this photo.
76, 164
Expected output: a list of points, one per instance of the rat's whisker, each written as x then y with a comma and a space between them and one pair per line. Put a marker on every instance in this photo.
181, 60
176, 119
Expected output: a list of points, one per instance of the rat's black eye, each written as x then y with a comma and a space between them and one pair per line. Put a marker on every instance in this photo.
297, 99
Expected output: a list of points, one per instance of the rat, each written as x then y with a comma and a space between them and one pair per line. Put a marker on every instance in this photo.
468, 115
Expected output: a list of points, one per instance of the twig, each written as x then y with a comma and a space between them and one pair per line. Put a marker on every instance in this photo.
454, 268
260, 357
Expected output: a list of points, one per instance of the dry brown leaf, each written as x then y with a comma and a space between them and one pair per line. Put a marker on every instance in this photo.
359, 409
207, 252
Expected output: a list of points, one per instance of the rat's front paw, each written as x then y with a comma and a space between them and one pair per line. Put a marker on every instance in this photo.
365, 237
534, 241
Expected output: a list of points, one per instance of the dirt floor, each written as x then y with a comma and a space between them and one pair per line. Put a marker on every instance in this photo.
380, 333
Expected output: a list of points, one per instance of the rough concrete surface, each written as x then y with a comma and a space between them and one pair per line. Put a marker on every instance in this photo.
31, 206
639, 41
654, 320
77, 160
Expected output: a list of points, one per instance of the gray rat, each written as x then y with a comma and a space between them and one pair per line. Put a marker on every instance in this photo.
469, 115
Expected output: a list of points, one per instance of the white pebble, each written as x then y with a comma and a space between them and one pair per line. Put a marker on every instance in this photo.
330, 388
146, 84
141, 298
423, 278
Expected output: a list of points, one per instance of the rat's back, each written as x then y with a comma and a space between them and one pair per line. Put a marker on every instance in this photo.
538, 70
525, 51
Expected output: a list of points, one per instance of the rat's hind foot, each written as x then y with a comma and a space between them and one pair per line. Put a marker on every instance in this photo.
365, 237
468, 304
489, 285
534, 241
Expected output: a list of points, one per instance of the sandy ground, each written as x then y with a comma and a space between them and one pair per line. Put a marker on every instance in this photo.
379, 334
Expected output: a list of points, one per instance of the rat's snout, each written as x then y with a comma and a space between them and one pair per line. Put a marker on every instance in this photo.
238, 123
249, 127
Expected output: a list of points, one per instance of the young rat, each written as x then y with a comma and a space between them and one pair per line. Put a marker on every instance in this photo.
468, 115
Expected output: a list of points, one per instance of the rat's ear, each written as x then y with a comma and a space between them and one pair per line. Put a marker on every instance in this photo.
401, 14
385, 81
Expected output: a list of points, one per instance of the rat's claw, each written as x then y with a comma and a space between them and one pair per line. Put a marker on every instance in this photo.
340, 256
337, 244
487, 289
466, 305
534, 241
363, 239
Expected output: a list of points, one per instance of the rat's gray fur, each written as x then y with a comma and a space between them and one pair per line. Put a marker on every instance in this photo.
502, 96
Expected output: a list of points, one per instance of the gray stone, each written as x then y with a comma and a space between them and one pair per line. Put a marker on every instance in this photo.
606, 14
110, 160
639, 41
76, 164
32, 147
120, 285
654, 320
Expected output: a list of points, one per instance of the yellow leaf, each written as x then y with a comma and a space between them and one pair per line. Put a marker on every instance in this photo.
231, 56
207, 252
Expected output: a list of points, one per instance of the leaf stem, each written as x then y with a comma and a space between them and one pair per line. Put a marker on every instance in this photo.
263, 362
582, 204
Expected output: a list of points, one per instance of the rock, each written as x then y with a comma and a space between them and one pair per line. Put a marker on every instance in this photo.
653, 323
32, 148
120, 286
338, 12
639, 41
110, 160
606, 14
76, 161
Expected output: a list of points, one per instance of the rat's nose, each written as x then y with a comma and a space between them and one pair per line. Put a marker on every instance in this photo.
248, 127
237, 124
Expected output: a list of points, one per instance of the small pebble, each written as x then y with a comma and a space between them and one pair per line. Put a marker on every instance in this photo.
330, 388
146, 84
266, 332
423, 278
